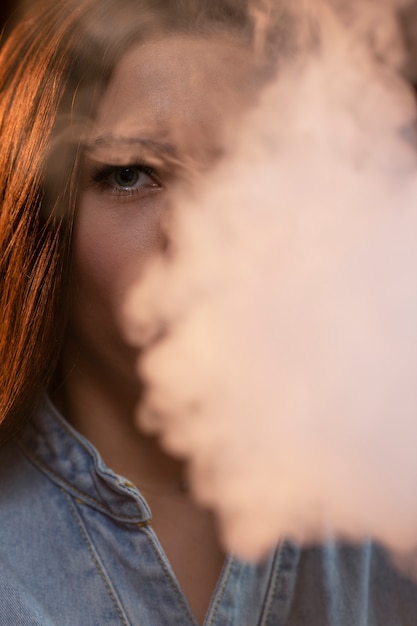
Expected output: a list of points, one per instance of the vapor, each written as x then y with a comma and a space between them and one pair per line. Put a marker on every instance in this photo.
278, 329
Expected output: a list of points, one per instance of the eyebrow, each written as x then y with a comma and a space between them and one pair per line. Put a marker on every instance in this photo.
118, 141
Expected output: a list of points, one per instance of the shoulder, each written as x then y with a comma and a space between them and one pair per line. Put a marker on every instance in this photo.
350, 584
28, 499
49, 572
20, 480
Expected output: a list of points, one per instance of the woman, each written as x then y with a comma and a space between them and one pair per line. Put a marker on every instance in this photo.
106, 105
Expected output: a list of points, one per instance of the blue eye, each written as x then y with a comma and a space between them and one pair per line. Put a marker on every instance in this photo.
127, 179
133, 176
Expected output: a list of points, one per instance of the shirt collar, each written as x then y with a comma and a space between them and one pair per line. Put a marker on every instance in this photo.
74, 464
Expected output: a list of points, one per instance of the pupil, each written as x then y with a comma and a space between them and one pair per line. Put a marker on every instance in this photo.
127, 177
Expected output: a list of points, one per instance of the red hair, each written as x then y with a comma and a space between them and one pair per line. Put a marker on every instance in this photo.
47, 81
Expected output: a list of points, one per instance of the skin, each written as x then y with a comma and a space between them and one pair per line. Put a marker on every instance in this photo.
178, 92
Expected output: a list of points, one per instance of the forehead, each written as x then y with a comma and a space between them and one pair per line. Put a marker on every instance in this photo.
179, 89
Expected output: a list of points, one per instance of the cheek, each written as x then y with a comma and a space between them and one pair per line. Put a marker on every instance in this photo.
110, 247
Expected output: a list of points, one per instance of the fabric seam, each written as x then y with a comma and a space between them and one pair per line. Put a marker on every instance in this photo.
101, 570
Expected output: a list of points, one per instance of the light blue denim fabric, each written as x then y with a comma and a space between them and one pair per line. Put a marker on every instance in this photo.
77, 548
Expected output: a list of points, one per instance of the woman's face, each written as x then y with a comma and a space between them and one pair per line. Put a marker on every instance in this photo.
167, 107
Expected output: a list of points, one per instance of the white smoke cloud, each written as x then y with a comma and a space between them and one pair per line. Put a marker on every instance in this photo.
287, 372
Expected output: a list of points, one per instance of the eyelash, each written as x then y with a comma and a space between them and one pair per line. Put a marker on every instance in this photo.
101, 175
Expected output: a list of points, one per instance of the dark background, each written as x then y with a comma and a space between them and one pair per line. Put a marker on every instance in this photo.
6, 9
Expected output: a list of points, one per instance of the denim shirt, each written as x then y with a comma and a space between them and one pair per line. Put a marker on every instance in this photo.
77, 548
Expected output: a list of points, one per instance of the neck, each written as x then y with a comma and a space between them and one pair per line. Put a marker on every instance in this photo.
105, 413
